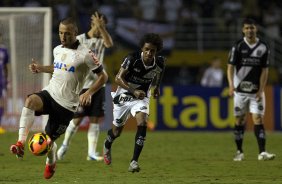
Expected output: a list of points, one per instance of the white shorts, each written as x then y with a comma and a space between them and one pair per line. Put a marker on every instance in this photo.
121, 112
244, 103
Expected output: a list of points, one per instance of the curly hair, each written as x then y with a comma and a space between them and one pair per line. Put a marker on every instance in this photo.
152, 38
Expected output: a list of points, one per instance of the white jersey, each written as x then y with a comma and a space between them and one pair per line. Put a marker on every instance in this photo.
70, 69
97, 46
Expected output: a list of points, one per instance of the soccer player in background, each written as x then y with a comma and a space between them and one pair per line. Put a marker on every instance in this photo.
60, 98
247, 74
138, 73
4, 59
96, 39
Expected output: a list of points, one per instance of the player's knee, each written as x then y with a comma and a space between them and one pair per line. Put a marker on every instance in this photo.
33, 102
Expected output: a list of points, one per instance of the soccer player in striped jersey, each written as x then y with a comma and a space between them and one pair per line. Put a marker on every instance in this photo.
96, 39
61, 97
247, 74
139, 72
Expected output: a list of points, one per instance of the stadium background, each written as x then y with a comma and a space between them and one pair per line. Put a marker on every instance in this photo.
197, 32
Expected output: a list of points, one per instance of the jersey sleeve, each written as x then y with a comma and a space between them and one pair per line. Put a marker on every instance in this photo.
127, 62
265, 58
233, 56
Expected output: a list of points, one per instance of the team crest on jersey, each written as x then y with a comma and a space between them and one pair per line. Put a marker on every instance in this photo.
259, 53
64, 56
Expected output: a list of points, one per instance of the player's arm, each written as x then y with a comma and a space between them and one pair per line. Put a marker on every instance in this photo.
119, 79
263, 82
108, 41
157, 82
34, 67
102, 78
232, 60
230, 74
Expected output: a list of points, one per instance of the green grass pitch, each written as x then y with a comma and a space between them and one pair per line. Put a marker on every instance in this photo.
167, 158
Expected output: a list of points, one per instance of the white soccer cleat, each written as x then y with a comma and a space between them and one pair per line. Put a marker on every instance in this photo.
238, 156
61, 152
94, 158
133, 167
266, 156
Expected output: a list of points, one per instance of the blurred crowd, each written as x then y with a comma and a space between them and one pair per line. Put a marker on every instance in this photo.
266, 13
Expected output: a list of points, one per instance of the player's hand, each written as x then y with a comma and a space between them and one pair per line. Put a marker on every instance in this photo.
139, 94
85, 99
231, 91
97, 21
156, 93
258, 96
34, 67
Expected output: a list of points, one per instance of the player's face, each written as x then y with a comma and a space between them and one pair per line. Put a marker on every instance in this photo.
250, 31
67, 35
149, 51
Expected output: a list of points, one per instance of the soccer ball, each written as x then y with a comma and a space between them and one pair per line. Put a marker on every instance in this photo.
39, 144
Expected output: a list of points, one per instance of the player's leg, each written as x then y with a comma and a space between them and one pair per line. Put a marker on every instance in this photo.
93, 136
33, 103
141, 112
239, 130
140, 137
240, 112
70, 132
257, 108
111, 136
95, 112
58, 121
120, 116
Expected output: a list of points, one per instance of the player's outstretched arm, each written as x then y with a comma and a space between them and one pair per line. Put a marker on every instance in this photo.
34, 67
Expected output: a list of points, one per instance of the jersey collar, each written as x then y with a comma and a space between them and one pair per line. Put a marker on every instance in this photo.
147, 67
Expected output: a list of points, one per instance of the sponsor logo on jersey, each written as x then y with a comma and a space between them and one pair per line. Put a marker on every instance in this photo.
248, 86
63, 66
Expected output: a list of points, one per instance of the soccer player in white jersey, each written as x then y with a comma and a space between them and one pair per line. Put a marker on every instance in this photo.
96, 39
60, 98
139, 72
247, 74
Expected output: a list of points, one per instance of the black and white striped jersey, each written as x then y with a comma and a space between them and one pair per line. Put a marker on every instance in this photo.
248, 61
139, 75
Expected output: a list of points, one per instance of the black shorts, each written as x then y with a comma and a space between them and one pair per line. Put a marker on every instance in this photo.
59, 117
97, 106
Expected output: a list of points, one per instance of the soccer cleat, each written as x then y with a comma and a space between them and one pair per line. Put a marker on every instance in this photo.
17, 149
107, 155
238, 156
49, 170
133, 166
94, 158
61, 152
266, 156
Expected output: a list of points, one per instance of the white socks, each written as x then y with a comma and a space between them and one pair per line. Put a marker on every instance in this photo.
71, 130
93, 134
51, 155
26, 121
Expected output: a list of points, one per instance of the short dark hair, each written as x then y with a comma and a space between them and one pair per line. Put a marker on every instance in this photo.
70, 20
152, 38
248, 21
